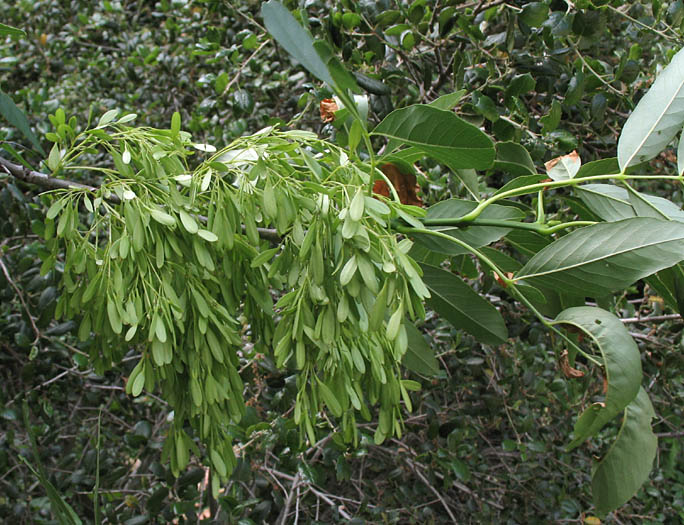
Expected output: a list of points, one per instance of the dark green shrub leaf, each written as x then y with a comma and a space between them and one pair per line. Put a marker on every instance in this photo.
534, 14
513, 158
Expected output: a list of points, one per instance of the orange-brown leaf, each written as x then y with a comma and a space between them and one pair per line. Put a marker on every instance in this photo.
328, 107
568, 371
404, 183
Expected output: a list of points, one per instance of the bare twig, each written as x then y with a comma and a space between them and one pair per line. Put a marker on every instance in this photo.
435, 492
242, 67
330, 502
670, 434
282, 519
276, 473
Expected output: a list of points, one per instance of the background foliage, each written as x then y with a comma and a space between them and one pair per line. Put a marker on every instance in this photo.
485, 441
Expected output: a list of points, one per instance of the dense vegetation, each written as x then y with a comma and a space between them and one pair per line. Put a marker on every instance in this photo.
486, 439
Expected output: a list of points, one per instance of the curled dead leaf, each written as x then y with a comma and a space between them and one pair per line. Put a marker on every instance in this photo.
328, 107
568, 371
404, 183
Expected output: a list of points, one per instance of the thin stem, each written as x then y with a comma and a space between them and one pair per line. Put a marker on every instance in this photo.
542, 229
462, 244
595, 73
641, 24
472, 215
508, 283
541, 216
551, 325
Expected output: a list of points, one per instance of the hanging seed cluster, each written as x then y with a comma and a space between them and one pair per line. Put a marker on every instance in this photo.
164, 261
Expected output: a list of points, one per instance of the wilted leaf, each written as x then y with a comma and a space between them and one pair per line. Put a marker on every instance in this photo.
404, 183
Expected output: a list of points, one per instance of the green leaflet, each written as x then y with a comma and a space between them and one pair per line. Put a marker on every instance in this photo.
658, 117
289, 34
606, 257
622, 363
439, 134
609, 202
457, 302
613, 203
419, 357
628, 462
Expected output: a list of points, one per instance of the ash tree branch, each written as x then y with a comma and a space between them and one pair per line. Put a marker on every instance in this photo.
40, 179
52, 183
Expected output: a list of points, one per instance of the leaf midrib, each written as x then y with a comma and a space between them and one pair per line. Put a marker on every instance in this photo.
655, 124
591, 261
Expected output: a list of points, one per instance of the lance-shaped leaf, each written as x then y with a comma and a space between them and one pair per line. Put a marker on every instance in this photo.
658, 117
11, 31
606, 257
652, 206
296, 41
626, 465
439, 134
474, 236
621, 361
459, 304
419, 357
613, 203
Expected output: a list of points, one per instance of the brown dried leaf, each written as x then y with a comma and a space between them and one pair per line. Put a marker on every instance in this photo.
568, 371
328, 107
404, 183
